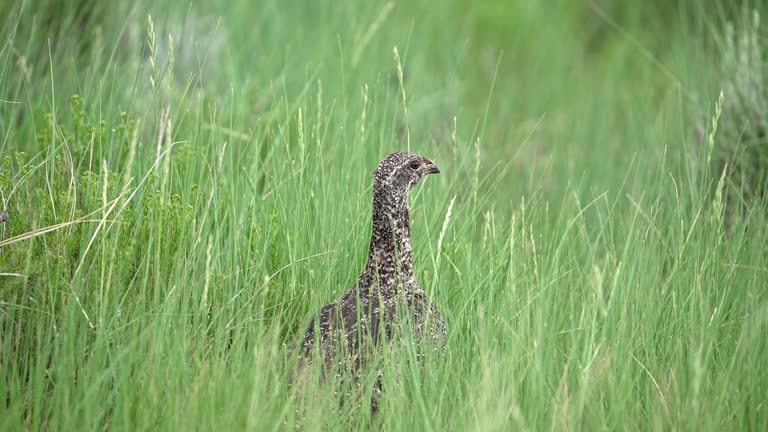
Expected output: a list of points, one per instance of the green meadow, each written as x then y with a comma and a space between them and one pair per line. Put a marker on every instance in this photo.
184, 185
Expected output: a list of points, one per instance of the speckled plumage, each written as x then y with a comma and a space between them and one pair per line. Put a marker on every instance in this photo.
386, 294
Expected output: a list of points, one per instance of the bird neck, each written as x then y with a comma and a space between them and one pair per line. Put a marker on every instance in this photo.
390, 256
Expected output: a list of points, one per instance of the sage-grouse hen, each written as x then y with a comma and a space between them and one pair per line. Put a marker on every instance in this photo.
386, 299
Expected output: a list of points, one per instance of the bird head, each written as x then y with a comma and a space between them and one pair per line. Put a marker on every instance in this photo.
399, 172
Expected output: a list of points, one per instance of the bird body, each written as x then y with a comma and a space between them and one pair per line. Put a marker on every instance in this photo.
386, 299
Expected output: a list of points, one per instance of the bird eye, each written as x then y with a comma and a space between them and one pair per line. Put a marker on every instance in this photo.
415, 165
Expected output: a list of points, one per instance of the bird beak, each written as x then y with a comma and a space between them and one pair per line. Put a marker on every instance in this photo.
432, 168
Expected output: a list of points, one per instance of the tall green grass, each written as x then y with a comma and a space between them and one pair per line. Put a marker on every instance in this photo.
187, 185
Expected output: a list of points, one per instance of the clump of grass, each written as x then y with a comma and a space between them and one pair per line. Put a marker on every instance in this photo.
742, 146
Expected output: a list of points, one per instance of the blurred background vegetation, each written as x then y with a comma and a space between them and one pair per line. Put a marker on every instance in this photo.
641, 57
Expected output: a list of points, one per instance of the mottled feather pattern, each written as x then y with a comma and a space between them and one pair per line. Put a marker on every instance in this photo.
386, 292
